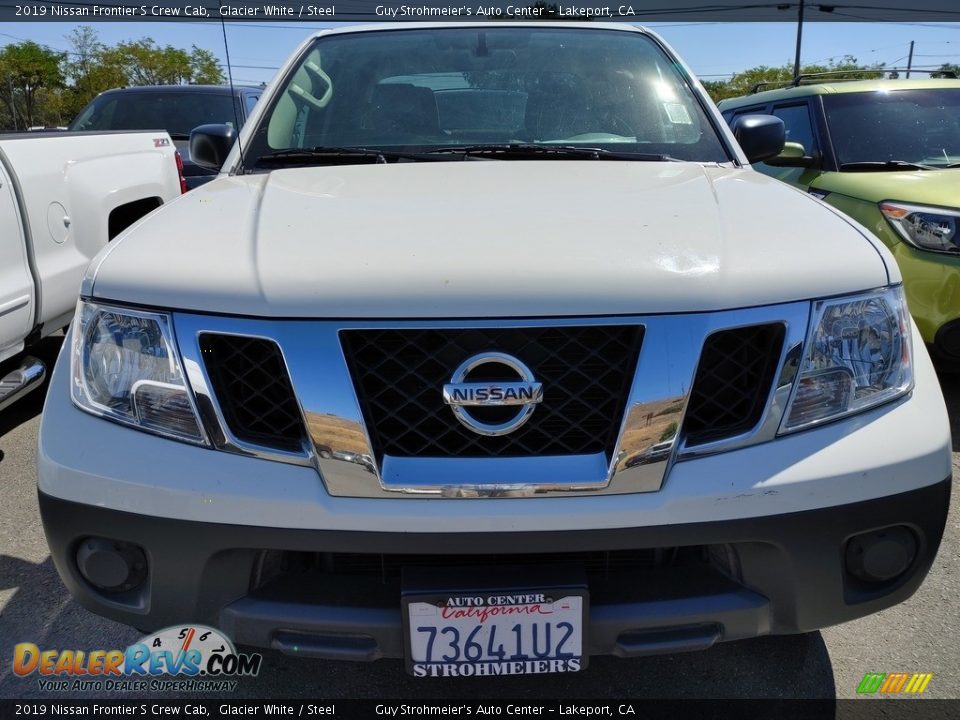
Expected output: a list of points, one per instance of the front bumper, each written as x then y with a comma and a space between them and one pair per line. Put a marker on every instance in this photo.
741, 543
727, 580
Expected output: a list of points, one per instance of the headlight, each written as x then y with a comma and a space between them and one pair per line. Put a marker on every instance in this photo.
125, 367
927, 228
857, 355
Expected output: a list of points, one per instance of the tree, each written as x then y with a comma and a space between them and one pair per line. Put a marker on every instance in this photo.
89, 71
205, 68
947, 70
742, 83
94, 67
717, 89
27, 72
40, 86
146, 63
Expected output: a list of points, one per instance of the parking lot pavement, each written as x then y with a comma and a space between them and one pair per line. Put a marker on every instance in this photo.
916, 636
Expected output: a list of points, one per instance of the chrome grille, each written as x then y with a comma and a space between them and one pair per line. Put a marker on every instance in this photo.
586, 374
656, 393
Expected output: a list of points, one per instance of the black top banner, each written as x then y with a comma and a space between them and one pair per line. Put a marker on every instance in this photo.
88, 11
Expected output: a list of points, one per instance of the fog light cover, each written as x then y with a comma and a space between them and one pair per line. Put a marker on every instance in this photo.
111, 565
881, 555
858, 355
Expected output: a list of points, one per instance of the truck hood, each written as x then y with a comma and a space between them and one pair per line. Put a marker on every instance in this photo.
487, 239
923, 187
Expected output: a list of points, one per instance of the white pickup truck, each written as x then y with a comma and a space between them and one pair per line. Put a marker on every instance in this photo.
490, 351
63, 196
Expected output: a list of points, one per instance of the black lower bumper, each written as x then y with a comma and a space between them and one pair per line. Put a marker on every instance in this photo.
652, 589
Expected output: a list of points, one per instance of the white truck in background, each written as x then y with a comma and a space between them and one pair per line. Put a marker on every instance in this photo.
62, 198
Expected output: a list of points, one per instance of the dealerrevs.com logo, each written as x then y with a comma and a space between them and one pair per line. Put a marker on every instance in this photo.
183, 658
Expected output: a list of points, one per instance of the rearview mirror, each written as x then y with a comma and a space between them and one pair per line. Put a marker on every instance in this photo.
760, 136
210, 145
794, 155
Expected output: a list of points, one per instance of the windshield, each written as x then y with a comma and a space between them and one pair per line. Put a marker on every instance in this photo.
426, 89
176, 112
913, 126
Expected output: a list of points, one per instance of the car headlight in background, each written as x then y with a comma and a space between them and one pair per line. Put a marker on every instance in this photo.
928, 228
125, 366
858, 354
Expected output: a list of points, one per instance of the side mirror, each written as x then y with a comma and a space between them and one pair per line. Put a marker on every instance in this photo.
793, 155
760, 136
210, 145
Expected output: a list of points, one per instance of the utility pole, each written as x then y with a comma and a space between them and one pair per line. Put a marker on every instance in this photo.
910, 60
796, 62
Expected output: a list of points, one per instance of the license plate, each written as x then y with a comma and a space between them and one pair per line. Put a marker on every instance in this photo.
490, 634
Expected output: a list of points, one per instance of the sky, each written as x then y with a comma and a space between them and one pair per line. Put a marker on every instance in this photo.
714, 50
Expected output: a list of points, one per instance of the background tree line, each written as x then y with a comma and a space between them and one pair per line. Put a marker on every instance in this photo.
743, 82
42, 86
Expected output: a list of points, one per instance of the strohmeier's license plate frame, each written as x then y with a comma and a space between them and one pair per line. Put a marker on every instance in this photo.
484, 609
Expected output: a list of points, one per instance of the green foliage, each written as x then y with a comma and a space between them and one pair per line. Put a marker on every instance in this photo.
947, 70
88, 71
743, 82
39, 86
29, 74
205, 68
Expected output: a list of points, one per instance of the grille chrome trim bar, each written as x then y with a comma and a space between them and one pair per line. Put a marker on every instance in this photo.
339, 447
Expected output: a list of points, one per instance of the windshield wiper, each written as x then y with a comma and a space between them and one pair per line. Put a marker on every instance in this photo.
881, 165
340, 156
532, 151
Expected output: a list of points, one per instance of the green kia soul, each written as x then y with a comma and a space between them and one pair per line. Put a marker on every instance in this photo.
886, 153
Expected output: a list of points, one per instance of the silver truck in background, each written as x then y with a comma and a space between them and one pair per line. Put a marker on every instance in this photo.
62, 198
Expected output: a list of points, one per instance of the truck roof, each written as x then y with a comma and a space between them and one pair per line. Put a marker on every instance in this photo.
835, 86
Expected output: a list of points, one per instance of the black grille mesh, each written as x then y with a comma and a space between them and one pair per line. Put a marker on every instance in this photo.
253, 388
732, 383
586, 374
389, 566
